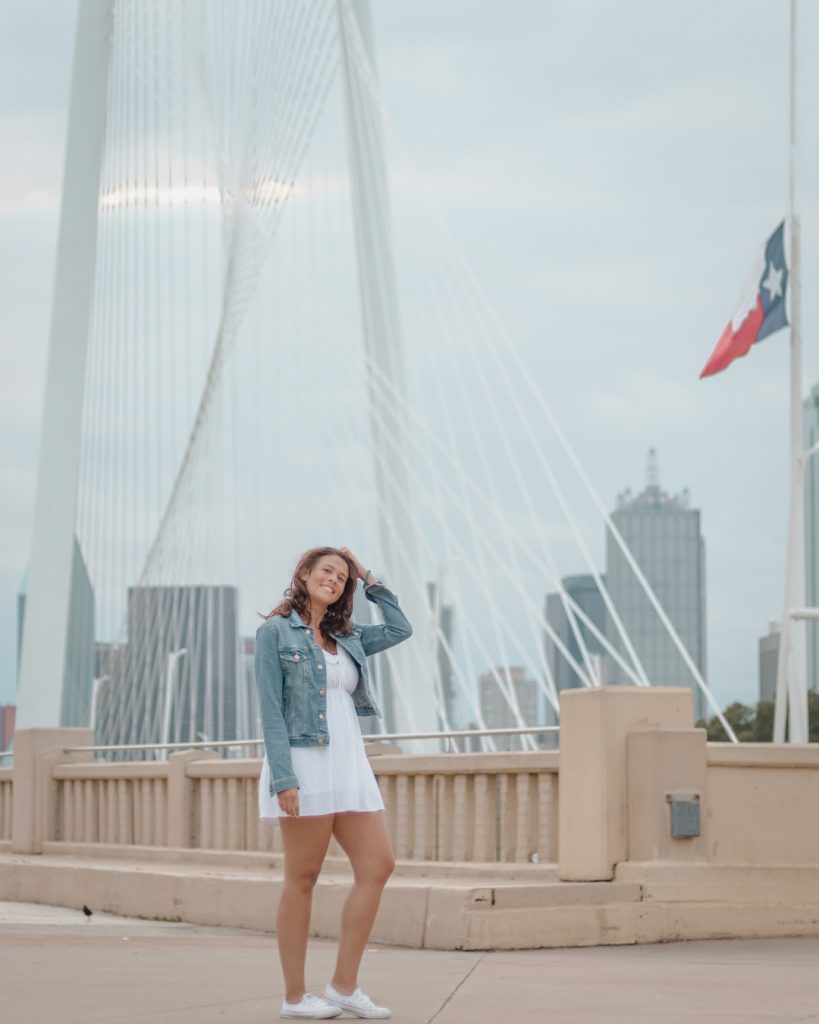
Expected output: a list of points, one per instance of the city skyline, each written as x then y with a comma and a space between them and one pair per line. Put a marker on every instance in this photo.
704, 431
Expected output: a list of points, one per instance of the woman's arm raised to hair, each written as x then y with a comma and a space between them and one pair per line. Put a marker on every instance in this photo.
396, 626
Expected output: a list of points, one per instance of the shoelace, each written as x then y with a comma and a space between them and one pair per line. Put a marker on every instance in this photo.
311, 1002
364, 999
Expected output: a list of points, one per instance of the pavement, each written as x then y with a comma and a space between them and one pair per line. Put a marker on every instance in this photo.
59, 967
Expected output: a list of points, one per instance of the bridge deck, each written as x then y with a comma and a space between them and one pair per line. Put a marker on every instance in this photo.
57, 967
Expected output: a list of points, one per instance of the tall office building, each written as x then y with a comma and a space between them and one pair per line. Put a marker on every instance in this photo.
175, 679
495, 708
811, 428
444, 613
249, 722
768, 660
79, 654
583, 590
664, 536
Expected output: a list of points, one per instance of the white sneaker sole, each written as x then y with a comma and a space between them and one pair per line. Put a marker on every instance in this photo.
359, 1013
306, 1015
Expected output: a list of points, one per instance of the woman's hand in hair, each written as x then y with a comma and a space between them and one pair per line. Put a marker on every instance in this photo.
360, 571
289, 802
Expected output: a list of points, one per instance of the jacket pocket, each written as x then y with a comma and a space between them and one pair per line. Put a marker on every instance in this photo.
295, 696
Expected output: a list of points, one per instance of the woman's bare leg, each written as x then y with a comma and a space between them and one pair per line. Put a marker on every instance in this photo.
365, 840
305, 845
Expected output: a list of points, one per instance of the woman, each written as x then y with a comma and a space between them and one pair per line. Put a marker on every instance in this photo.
316, 781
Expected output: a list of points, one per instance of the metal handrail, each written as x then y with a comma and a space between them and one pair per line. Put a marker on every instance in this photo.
368, 738
525, 730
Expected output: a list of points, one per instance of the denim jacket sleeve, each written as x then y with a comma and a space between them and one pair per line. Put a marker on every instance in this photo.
395, 627
269, 686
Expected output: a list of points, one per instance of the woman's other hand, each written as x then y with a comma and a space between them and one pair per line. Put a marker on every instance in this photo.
360, 571
289, 802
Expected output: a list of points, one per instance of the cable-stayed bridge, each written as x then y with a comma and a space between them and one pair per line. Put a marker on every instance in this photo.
258, 347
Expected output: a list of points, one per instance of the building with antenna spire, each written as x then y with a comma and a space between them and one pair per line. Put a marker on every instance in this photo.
664, 536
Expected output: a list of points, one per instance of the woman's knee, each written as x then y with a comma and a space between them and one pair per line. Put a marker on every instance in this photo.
303, 881
378, 870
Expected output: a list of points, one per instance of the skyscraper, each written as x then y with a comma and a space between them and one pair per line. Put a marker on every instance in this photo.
811, 428
768, 658
249, 721
176, 677
495, 708
583, 590
664, 536
442, 615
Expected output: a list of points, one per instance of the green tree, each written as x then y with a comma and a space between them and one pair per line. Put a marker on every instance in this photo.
741, 719
755, 725
763, 726
813, 717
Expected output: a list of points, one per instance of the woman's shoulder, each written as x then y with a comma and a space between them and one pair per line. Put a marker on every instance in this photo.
272, 625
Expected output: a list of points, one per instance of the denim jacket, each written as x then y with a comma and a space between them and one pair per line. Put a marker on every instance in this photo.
290, 672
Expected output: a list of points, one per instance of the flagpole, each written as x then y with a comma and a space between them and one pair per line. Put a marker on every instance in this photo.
791, 688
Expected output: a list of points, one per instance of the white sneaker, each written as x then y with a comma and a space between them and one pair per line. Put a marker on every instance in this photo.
309, 1006
358, 1003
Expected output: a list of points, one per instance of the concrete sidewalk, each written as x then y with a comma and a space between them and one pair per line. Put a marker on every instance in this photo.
57, 967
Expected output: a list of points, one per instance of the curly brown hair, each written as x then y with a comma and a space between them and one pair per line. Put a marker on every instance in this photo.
338, 617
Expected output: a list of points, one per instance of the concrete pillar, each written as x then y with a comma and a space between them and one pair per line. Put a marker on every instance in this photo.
662, 762
594, 727
179, 830
34, 792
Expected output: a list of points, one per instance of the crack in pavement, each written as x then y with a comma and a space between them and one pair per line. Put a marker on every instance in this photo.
457, 989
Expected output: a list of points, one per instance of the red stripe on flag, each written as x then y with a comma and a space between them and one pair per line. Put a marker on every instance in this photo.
733, 344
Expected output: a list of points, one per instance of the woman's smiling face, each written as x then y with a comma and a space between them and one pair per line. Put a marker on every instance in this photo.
325, 581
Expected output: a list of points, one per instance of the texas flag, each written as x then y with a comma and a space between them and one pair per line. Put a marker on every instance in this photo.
762, 309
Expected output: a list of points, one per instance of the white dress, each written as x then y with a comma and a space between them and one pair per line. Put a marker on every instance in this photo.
336, 777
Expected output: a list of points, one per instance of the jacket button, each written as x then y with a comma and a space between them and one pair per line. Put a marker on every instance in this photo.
321, 740
321, 717
296, 658
322, 692
320, 667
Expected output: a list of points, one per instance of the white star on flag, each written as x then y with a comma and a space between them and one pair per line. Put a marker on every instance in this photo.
757, 316
773, 282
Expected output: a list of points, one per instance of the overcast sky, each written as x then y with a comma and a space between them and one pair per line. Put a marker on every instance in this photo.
611, 168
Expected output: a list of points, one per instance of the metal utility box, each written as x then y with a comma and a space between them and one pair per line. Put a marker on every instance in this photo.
685, 814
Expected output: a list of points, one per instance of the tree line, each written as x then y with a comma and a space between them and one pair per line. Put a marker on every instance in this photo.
754, 724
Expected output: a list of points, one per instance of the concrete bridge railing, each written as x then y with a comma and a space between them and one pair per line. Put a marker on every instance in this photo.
449, 808
600, 804
636, 830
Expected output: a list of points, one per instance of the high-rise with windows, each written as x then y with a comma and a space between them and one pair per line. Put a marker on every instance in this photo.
664, 535
768, 658
584, 592
495, 707
175, 680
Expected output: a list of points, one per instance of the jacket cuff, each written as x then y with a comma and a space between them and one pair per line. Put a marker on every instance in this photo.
376, 585
285, 782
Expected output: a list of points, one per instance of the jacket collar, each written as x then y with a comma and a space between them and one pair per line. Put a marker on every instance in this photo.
297, 622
